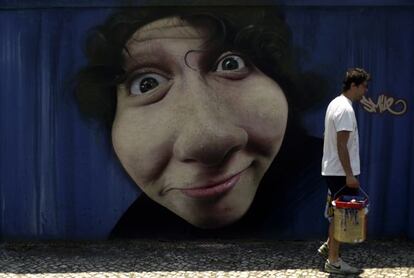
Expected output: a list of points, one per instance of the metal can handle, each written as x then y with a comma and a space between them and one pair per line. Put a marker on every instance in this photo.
359, 188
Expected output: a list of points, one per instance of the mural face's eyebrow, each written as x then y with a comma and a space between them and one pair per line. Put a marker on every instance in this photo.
155, 53
146, 54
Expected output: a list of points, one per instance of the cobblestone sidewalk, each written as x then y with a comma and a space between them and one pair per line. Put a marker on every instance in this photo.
197, 259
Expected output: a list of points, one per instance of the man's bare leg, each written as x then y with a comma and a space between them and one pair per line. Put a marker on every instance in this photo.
333, 245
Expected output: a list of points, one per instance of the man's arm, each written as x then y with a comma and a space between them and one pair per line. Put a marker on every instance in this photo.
342, 140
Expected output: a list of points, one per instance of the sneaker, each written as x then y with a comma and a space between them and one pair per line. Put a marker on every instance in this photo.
324, 250
341, 267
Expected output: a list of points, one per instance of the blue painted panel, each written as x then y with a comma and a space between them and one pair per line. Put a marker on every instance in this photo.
59, 179
30, 4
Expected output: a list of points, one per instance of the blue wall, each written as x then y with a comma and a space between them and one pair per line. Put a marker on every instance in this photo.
59, 179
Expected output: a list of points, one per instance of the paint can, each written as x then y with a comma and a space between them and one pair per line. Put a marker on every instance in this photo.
350, 218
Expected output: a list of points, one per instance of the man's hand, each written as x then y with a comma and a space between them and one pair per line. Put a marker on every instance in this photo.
352, 182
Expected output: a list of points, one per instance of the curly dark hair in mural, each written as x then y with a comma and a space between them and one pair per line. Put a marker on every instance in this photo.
203, 106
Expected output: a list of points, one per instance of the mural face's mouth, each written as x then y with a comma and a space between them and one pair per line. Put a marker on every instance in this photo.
213, 190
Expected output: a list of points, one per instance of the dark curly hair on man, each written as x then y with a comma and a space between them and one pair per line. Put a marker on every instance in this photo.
356, 76
260, 33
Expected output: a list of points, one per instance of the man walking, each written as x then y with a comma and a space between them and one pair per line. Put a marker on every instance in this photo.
340, 162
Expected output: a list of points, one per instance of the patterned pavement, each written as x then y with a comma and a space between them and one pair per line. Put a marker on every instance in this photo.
239, 258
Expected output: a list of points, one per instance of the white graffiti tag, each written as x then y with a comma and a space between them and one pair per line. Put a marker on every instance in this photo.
384, 103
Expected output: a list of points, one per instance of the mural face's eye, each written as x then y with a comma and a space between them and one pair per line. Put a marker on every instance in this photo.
145, 83
230, 62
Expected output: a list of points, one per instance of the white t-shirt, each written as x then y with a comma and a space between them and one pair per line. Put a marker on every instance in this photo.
340, 116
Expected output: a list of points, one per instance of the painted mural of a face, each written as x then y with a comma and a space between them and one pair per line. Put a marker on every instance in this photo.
196, 141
